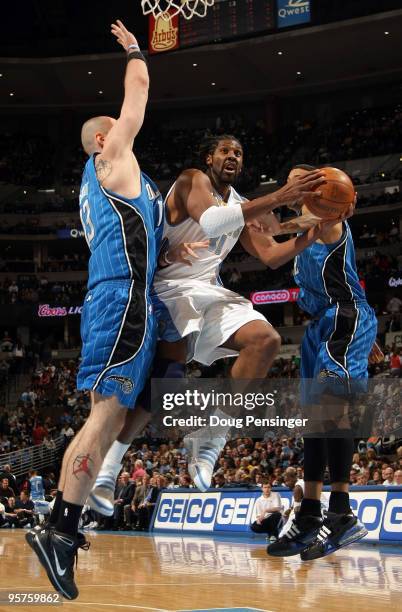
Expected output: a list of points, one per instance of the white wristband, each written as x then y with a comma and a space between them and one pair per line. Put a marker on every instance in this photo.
133, 46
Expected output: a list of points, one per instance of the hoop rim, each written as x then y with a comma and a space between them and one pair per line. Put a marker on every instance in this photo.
170, 8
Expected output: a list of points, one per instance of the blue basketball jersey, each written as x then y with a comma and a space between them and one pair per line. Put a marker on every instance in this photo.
326, 274
123, 234
37, 488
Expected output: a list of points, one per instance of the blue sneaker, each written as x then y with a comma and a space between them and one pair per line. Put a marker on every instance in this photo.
300, 534
337, 531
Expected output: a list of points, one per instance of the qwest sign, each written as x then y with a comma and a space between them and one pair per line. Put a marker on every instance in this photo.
293, 12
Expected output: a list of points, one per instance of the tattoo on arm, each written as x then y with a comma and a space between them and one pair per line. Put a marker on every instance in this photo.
83, 463
103, 169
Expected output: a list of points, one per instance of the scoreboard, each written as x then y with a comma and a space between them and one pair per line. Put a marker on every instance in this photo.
228, 19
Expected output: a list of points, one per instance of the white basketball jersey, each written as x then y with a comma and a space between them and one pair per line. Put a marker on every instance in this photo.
206, 268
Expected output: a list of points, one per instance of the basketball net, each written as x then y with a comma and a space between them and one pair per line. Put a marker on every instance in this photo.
169, 8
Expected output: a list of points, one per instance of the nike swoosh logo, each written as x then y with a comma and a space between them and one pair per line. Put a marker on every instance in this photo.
60, 571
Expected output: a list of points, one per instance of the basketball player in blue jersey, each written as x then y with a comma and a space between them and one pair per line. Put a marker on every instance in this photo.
121, 213
335, 353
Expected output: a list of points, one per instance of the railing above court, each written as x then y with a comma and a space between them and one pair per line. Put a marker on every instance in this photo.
33, 457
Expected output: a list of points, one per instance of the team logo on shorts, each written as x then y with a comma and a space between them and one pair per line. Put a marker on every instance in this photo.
324, 374
127, 384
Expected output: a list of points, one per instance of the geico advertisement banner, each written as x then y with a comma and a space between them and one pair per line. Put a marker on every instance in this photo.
233, 511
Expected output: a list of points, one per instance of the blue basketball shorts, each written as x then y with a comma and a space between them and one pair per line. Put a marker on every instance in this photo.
119, 334
335, 350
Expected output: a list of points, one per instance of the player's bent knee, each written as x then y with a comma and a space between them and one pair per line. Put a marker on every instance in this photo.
268, 342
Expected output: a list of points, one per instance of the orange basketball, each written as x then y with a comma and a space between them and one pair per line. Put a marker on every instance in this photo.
338, 194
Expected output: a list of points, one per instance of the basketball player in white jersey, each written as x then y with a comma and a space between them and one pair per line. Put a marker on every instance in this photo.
199, 319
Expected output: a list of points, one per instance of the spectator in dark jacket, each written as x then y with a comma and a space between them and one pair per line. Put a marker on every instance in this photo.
5, 490
123, 496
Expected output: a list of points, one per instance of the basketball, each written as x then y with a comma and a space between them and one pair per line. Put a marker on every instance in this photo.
337, 195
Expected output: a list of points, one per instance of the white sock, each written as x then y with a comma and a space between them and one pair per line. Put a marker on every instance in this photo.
115, 455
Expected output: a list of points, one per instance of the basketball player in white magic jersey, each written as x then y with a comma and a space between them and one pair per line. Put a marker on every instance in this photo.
199, 318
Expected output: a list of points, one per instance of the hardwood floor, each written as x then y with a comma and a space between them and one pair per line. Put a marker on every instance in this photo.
169, 573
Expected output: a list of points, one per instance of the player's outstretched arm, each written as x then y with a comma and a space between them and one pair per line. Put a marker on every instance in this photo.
121, 137
275, 254
194, 194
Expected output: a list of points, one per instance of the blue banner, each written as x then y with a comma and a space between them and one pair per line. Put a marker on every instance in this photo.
70, 233
233, 510
293, 12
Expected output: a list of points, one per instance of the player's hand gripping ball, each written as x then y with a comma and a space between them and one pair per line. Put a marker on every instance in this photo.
338, 195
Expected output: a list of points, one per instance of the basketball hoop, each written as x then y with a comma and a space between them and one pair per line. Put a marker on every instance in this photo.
186, 8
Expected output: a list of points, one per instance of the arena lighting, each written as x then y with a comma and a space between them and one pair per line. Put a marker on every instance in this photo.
100, 92
386, 33
11, 93
298, 73
89, 72
280, 52
213, 84
195, 65
52, 190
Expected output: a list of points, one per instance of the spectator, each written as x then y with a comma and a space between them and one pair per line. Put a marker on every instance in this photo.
394, 305
24, 509
6, 473
296, 485
146, 508
124, 495
38, 433
398, 478
68, 432
361, 479
353, 476
5, 490
268, 512
376, 479
10, 515
138, 471
131, 513
389, 479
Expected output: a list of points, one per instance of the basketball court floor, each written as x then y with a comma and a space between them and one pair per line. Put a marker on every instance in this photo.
166, 573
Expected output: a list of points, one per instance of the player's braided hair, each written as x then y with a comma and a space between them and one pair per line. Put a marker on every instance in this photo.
209, 145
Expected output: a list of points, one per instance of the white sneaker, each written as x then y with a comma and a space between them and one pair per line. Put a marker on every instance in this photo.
101, 497
203, 454
91, 526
